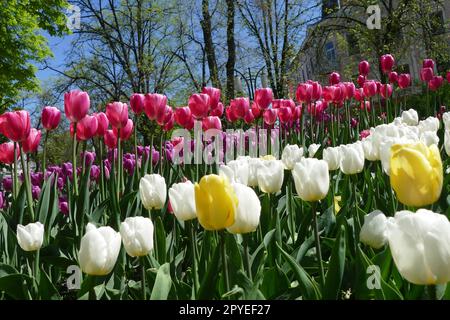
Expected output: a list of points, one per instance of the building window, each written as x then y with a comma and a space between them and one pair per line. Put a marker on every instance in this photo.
437, 25
353, 46
330, 52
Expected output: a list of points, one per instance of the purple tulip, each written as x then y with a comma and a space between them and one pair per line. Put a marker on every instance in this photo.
36, 178
63, 206
35, 192
67, 170
7, 183
89, 158
95, 173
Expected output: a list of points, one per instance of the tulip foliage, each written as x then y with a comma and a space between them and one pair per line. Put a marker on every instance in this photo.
342, 193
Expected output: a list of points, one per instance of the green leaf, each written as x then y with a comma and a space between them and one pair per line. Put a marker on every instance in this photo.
15, 285
209, 281
336, 268
163, 283
160, 240
47, 290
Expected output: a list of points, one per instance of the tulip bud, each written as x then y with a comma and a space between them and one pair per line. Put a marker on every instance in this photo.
404, 80
126, 131
50, 118
110, 139
137, 236
87, 128
285, 114
31, 236
240, 106
248, 210
270, 116
270, 175
7, 152
311, 179
332, 157
416, 173
361, 79
386, 90
154, 105
435, 83
410, 117
216, 202
304, 92
217, 111
183, 116
364, 68
117, 113
352, 158
137, 103
428, 63
31, 143
387, 62
182, 200
292, 154
370, 88
420, 246
334, 78
153, 191
214, 96
199, 105
76, 105
393, 77
426, 74
374, 230
102, 123
99, 250
263, 97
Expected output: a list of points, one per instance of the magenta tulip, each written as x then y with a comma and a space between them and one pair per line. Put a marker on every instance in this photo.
16, 125
183, 116
364, 68
270, 116
169, 123
199, 105
256, 110
428, 63
316, 90
435, 83
370, 88
7, 152
110, 139
285, 114
50, 118
387, 62
137, 103
87, 128
102, 123
76, 105
393, 77
217, 111
249, 117
334, 78
263, 97
154, 105
361, 79
240, 106
359, 94
386, 90
229, 114
117, 113
426, 74
125, 132
214, 96
328, 93
211, 122
31, 143
349, 90
165, 117
304, 93
404, 80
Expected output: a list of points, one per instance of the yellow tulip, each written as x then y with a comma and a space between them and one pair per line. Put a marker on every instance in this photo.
416, 173
337, 206
216, 202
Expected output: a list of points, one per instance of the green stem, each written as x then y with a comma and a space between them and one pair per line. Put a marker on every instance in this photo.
83, 163
135, 150
432, 292
192, 239
74, 159
27, 184
36, 272
247, 256
102, 171
44, 153
317, 239
224, 260
143, 285
119, 164
15, 180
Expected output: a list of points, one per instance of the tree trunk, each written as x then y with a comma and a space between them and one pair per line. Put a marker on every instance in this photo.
209, 46
231, 50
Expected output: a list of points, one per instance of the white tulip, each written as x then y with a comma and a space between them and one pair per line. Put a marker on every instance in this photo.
253, 164
446, 120
332, 157
429, 138
270, 175
137, 236
312, 149
31, 236
429, 124
99, 250
292, 154
374, 230
248, 210
182, 200
420, 246
410, 117
352, 158
370, 152
153, 191
311, 179
447, 142
236, 171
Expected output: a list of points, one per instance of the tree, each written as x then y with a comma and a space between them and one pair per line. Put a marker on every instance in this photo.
22, 43
231, 61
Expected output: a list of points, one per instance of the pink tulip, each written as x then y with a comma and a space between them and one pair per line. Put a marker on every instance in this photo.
288, 103
365, 105
370, 88
76, 105
263, 97
328, 93
435, 83
285, 114
7, 152
297, 113
240, 106
364, 68
364, 134
217, 111
214, 96
359, 94
361, 79
378, 83
87, 128
229, 114
428, 63
102, 123
256, 110
31, 143
154, 105
387, 62
316, 90
125, 132
426, 74
199, 105
16, 125
334, 78
270, 116
137, 103
117, 113
110, 139
404, 80
316, 109
349, 90
386, 90
183, 116
393, 77
165, 117
50, 118
211, 122
304, 93
339, 93
249, 117
170, 123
